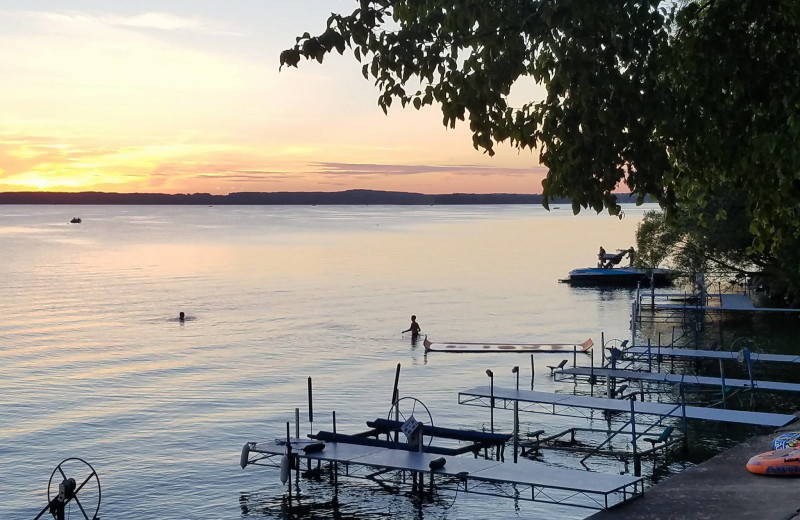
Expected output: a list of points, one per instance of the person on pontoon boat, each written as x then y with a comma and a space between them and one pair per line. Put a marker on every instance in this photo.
609, 260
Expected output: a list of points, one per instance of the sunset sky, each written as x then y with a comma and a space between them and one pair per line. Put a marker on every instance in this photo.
185, 96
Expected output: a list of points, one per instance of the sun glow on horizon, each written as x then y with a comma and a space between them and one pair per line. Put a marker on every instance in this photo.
189, 99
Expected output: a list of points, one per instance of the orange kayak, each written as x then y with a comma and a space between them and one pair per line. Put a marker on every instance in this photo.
783, 462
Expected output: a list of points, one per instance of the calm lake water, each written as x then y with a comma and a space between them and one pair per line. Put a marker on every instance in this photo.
93, 363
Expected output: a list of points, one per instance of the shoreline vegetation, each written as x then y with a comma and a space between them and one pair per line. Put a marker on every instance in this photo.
349, 197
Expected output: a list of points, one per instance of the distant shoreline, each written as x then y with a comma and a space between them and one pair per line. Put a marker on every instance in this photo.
349, 197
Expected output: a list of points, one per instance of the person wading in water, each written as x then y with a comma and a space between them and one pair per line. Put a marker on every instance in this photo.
414, 328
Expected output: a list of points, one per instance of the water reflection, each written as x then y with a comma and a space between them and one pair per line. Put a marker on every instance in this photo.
92, 356
346, 500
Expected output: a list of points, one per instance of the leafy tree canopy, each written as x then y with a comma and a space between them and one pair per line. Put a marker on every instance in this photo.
682, 102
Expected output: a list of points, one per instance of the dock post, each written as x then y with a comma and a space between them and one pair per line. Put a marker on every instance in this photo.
672, 356
746, 355
683, 416
515, 370
334, 422
612, 380
288, 456
637, 463
297, 423
591, 376
649, 356
652, 290
602, 349
310, 408
722, 382
491, 398
658, 358
574, 356
395, 397
533, 371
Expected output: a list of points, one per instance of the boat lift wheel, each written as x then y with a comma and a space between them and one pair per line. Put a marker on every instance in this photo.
69, 488
405, 408
612, 344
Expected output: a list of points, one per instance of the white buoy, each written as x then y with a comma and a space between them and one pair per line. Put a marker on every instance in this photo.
245, 455
285, 468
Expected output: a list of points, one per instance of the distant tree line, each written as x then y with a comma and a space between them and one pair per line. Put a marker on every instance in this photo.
349, 197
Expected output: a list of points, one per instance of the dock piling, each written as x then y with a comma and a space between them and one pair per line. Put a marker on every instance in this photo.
602, 348
533, 371
310, 408
491, 398
515, 371
637, 462
722, 382
395, 397
683, 417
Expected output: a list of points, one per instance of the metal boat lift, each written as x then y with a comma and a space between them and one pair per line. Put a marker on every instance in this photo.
524, 480
673, 379
674, 307
640, 352
580, 406
585, 406
393, 463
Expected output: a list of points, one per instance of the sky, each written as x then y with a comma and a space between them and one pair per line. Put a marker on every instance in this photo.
186, 96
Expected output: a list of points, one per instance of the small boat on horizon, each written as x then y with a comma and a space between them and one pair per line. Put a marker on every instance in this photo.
75, 220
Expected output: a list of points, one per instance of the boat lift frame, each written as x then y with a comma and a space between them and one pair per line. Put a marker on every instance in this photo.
584, 406
526, 480
599, 374
385, 464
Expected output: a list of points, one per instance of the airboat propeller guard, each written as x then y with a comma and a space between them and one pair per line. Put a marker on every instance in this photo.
69, 488
411, 422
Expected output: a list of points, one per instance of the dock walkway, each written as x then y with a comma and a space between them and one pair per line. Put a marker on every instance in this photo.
727, 302
675, 379
548, 484
654, 352
571, 405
